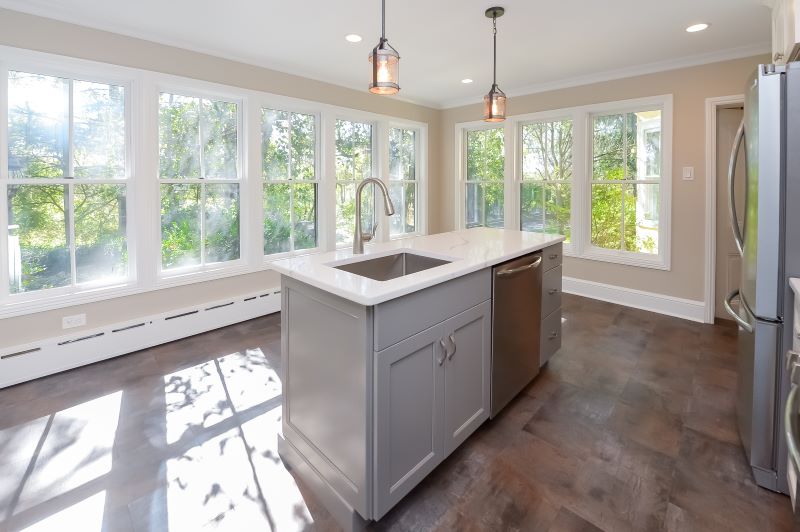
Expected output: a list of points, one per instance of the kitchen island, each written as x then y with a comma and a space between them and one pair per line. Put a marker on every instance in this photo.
386, 359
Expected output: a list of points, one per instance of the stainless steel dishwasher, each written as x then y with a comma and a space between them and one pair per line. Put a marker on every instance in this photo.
516, 327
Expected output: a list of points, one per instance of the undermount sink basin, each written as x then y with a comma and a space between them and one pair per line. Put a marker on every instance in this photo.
392, 266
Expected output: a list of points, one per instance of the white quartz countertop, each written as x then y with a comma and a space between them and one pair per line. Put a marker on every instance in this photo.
794, 282
469, 250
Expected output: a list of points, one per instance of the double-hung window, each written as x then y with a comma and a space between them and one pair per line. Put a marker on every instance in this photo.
625, 181
485, 178
545, 194
403, 181
200, 179
67, 181
289, 170
353, 164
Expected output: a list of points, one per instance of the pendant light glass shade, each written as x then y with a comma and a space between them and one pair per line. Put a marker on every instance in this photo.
494, 103
385, 63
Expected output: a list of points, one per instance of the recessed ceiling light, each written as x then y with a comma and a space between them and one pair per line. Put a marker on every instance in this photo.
352, 37
694, 28
466, 81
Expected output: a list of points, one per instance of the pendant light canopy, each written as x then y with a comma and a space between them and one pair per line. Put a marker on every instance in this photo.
385, 62
494, 103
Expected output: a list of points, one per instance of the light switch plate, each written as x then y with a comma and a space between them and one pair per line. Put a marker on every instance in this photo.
76, 320
688, 173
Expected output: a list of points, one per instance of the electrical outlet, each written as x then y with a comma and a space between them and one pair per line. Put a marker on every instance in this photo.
69, 322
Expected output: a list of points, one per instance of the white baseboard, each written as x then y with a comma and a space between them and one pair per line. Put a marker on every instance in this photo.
51, 355
671, 306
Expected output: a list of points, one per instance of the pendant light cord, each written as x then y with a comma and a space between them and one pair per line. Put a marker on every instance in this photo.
494, 64
383, 19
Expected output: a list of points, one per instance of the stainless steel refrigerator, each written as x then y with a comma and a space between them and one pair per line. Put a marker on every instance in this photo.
767, 233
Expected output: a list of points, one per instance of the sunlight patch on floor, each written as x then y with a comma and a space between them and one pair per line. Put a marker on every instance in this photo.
77, 450
285, 502
86, 516
195, 399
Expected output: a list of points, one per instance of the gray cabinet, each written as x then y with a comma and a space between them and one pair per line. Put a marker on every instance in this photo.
467, 372
432, 392
550, 341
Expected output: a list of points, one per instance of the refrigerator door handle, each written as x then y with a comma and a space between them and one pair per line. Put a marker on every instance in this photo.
737, 234
735, 315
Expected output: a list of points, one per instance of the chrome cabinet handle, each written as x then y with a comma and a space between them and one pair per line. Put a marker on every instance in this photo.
552, 291
733, 314
737, 234
553, 335
452, 339
513, 271
554, 256
440, 359
793, 367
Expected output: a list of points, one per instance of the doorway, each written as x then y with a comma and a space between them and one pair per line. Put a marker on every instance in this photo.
727, 264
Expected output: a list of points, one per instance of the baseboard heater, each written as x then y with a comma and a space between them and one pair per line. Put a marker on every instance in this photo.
52, 355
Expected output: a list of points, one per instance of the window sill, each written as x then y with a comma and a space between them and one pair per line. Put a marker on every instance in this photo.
291, 254
47, 302
639, 260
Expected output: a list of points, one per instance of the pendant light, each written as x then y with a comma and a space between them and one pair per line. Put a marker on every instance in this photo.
385, 63
494, 103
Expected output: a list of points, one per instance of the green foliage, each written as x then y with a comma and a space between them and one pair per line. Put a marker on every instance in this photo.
485, 175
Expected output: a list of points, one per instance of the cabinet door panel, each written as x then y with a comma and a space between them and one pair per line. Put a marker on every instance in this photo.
408, 409
467, 374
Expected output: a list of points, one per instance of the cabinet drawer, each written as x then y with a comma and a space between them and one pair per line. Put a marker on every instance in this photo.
551, 337
552, 256
394, 322
551, 291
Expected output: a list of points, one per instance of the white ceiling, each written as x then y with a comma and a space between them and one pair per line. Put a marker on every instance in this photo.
541, 44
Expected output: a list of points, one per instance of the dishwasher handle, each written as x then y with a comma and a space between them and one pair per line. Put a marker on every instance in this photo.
514, 271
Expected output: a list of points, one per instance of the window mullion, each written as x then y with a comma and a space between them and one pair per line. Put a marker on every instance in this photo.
70, 220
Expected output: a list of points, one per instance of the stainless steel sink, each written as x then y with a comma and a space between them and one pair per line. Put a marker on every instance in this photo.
392, 266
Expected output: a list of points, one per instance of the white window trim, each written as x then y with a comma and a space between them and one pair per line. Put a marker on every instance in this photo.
420, 144
143, 185
580, 219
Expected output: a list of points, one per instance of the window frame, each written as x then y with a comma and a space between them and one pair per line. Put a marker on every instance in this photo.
143, 196
318, 181
580, 217
510, 199
421, 208
67, 69
241, 181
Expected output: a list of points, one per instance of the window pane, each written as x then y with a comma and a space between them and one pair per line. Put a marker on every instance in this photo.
38, 237
180, 225
100, 239
275, 144
545, 208
484, 205
534, 148
179, 136
99, 130
608, 148
222, 222
277, 221
303, 146
405, 204
485, 156
547, 150
220, 149
353, 150
305, 215
647, 144
641, 218
402, 154
346, 207
38, 125
607, 216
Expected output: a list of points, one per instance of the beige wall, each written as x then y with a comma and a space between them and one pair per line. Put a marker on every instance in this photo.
690, 87
46, 35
